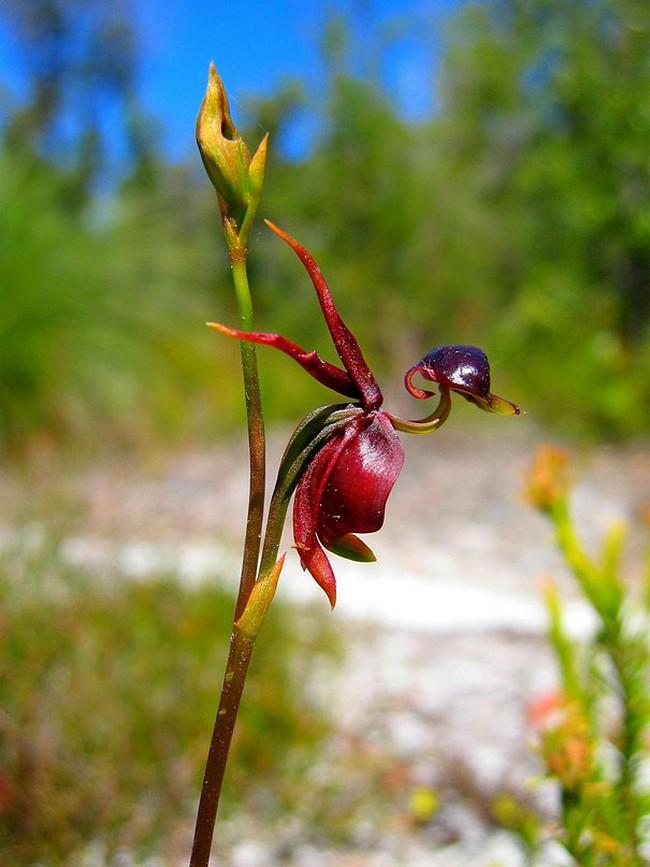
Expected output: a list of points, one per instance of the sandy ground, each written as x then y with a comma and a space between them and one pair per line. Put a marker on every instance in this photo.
444, 633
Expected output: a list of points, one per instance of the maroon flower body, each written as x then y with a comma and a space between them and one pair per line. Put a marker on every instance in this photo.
354, 498
344, 487
344, 491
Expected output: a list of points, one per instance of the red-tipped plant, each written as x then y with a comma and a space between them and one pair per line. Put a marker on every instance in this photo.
592, 732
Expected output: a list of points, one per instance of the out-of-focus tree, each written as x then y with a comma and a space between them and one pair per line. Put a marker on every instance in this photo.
77, 57
102, 300
517, 218
543, 141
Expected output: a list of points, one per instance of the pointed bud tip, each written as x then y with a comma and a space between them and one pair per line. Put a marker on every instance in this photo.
257, 166
223, 151
259, 157
212, 86
214, 99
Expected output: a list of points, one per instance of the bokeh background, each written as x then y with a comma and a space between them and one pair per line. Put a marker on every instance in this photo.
464, 172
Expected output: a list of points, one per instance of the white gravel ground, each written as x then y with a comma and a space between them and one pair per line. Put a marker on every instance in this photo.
445, 631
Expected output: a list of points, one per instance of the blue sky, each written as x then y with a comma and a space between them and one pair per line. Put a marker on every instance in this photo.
257, 44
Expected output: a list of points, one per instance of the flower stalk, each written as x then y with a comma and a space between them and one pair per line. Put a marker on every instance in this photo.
256, 435
238, 182
343, 459
239, 657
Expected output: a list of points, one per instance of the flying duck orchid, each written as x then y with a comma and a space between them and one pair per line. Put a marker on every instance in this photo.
354, 456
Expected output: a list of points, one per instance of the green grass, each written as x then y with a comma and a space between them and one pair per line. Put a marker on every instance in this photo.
108, 691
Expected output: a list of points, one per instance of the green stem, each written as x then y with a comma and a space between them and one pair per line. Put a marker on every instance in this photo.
631, 688
241, 647
256, 438
429, 424
239, 656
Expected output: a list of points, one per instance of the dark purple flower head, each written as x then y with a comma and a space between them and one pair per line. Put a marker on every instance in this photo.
345, 484
463, 369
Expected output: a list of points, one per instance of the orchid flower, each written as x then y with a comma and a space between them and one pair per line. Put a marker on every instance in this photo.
343, 487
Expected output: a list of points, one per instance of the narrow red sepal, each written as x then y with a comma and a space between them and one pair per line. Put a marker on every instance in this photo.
344, 341
327, 374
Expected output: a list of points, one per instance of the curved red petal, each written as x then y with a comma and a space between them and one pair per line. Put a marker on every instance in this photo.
305, 515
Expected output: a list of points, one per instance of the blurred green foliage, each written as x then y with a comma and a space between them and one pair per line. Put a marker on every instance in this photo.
97, 332
517, 218
108, 695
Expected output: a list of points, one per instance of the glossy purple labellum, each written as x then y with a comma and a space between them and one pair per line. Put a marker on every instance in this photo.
463, 369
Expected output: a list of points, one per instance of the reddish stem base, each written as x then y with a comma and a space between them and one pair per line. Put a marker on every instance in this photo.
239, 657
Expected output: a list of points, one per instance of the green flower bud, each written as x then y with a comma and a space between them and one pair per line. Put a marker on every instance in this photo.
223, 150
